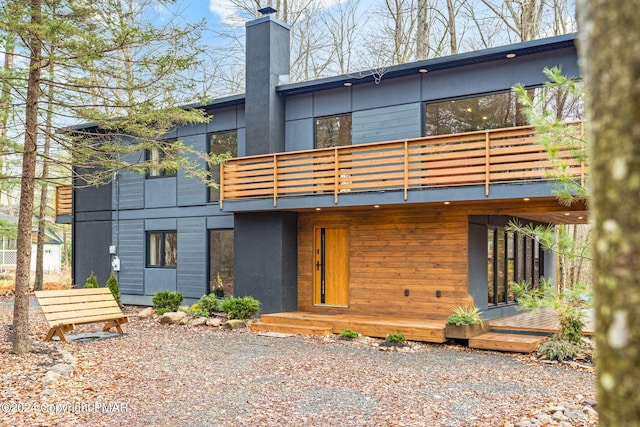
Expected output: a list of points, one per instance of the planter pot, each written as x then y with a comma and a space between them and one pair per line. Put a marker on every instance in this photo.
219, 293
463, 332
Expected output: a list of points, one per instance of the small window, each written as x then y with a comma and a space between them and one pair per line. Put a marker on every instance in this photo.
221, 143
334, 131
155, 158
162, 249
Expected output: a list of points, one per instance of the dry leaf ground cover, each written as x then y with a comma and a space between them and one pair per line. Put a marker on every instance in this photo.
176, 375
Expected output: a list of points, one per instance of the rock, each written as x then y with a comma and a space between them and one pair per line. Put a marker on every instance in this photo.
47, 392
235, 324
62, 369
172, 317
545, 419
147, 312
523, 423
214, 321
184, 320
589, 402
574, 415
556, 409
67, 357
51, 379
559, 416
199, 321
589, 411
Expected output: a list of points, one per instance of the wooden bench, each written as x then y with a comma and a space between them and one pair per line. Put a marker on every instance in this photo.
66, 308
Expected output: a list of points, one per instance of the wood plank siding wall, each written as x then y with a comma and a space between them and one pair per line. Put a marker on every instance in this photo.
390, 250
421, 248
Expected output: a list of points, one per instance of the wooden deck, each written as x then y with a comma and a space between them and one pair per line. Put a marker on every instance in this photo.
528, 330
305, 323
545, 322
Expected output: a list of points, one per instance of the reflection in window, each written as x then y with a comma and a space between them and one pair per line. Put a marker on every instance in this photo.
162, 249
221, 143
221, 261
334, 131
511, 257
495, 111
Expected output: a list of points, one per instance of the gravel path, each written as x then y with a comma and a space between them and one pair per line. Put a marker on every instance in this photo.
183, 376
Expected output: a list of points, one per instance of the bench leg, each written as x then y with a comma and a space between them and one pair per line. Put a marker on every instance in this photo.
60, 332
115, 324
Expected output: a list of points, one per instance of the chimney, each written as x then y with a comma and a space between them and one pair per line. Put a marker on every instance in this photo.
267, 66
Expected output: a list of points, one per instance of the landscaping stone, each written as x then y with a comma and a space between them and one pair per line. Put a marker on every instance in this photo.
62, 369
184, 320
172, 317
214, 321
147, 312
199, 321
235, 324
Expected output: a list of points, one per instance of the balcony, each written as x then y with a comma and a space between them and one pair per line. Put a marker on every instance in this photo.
64, 206
475, 158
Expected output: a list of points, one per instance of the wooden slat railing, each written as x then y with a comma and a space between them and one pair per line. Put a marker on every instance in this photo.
473, 158
64, 200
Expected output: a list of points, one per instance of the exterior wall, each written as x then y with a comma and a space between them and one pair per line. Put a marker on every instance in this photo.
421, 249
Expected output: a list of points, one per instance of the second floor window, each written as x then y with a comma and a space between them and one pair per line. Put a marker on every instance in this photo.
333, 131
156, 159
162, 249
221, 143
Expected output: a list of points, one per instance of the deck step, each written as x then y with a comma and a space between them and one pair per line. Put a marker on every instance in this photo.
290, 329
517, 343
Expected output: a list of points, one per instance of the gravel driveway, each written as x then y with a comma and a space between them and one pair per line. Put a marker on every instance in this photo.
199, 376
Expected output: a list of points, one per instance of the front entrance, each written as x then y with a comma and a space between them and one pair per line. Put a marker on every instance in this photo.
331, 266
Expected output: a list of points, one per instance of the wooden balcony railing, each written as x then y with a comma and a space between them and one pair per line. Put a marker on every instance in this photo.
63, 200
482, 157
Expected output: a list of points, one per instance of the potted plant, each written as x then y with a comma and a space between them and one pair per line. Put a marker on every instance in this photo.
218, 291
465, 322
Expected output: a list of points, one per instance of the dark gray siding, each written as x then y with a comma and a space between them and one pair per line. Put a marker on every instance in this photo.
131, 250
299, 135
91, 251
192, 257
191, 190
160, 192
387, 124
130, 187
266, 260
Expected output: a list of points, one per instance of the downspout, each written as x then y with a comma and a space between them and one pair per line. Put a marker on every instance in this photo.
116, 180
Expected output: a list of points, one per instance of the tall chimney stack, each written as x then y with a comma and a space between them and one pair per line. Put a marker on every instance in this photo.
267, 66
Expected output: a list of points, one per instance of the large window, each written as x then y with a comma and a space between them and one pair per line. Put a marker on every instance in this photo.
334, 131
221, 143
495, 111
221, 262
162, 249
512, 257
156, 157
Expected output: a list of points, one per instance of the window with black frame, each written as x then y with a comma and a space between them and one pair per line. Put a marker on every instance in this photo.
221, 262
156, 159
162, 249
512, 257
496, 111
221, 143
333, 131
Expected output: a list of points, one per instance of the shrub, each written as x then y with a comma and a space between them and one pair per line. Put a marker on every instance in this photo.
199, 313
559, 349
162, 311
194, 307
184, 308
167, 301
348, 333
112, 284
469, 315
396, 338
92, 281
209, 304
240, 308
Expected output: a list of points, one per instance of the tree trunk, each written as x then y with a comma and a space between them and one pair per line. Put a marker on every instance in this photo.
21, 340
610, 32
42, 220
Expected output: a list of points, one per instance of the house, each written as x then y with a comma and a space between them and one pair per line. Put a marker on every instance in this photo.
52, 255
382, 193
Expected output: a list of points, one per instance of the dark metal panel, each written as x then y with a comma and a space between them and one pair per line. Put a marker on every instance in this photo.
299, 135
91, 251
265, 247
160, 192
223, 119
388, 92
159, 279
161, 224
299, 107
332, 102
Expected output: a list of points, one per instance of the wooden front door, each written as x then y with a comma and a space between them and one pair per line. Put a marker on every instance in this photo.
331, 266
